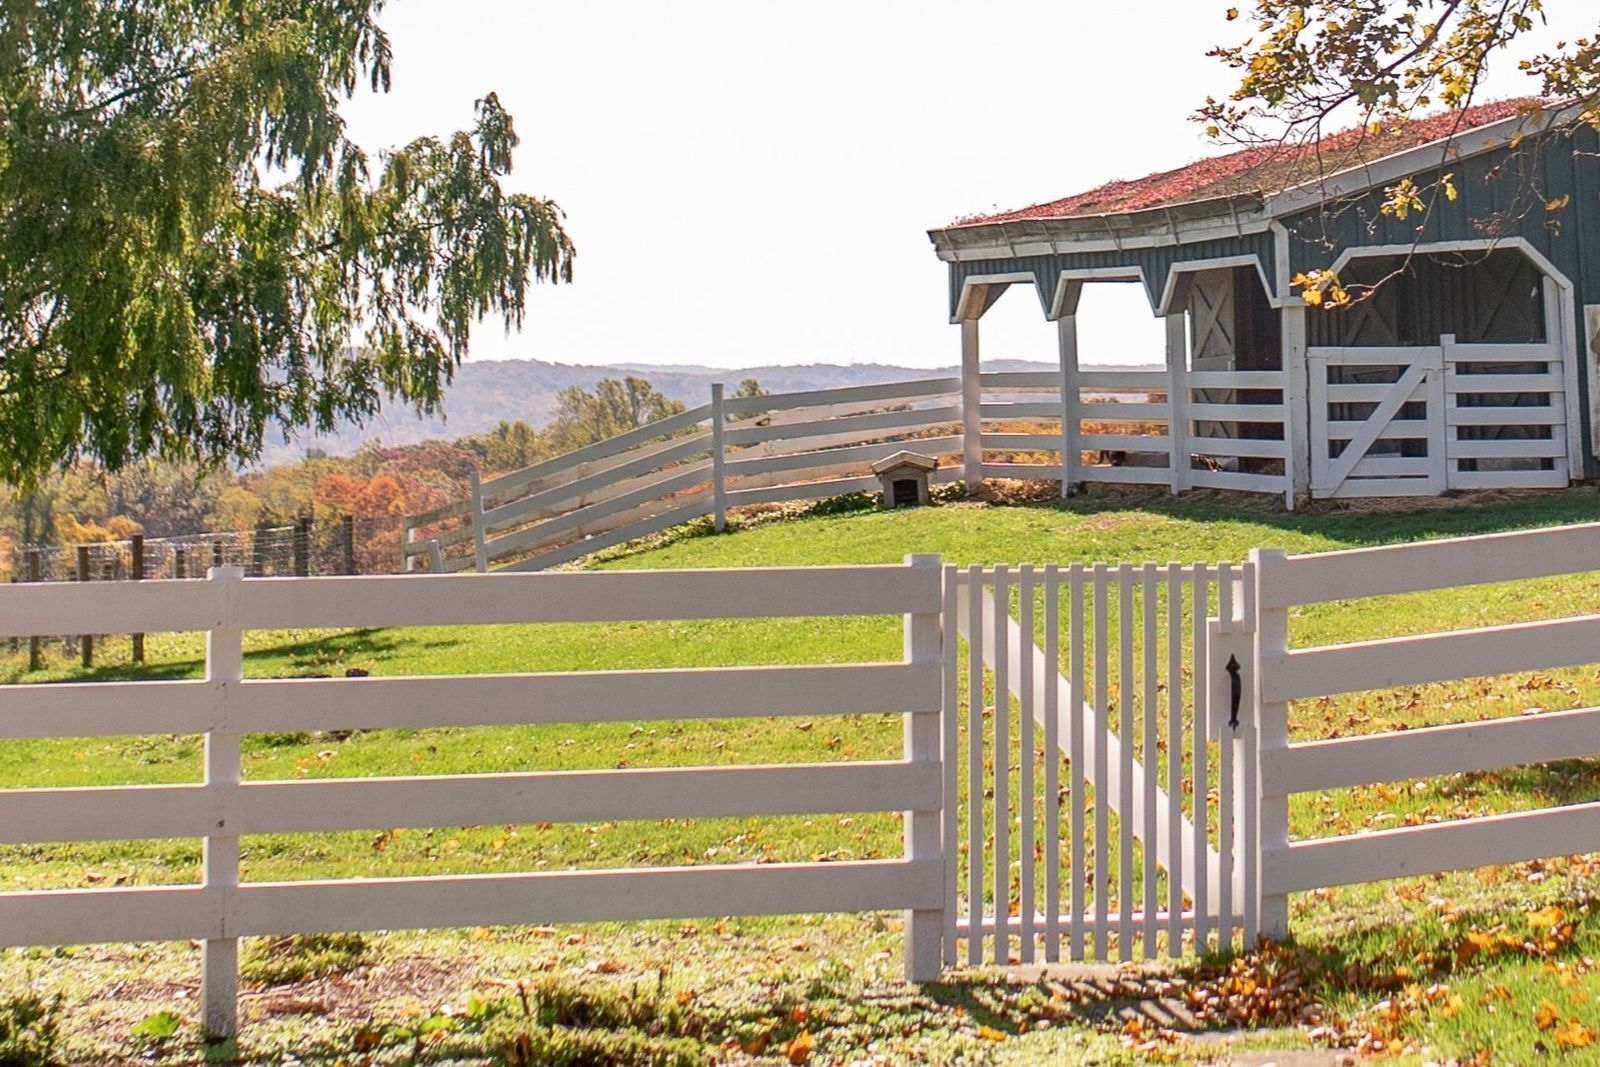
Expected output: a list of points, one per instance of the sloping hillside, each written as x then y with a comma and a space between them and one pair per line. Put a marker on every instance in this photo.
486, 392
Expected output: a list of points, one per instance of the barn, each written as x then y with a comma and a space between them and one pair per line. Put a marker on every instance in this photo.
1467, 361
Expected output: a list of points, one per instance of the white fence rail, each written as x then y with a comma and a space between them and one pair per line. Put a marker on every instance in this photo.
1168, 728
1285, 674
1110, 426
1228, 431
225, 706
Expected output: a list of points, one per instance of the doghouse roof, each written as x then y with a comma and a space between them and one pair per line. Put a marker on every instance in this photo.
905, 459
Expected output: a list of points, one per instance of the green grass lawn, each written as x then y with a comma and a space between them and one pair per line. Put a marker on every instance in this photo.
1384, 928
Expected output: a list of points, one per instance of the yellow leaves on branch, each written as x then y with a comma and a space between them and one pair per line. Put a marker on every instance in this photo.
1321, 288
1401, 199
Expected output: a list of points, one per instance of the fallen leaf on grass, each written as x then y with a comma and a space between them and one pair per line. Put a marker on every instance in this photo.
1573, 1035
799, 1048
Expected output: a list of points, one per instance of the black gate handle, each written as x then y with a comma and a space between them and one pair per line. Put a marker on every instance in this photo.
1236, 687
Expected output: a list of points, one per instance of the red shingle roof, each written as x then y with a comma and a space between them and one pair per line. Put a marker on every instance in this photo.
1264, 169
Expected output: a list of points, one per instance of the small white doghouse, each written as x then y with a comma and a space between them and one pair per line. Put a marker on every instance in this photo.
904, 478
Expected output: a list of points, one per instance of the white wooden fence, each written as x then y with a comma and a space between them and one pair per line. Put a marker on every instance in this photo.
1226, 430
1284, 674
819, 444
1144, 726
225, 705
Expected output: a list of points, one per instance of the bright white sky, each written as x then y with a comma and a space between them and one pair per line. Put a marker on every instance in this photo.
751, 182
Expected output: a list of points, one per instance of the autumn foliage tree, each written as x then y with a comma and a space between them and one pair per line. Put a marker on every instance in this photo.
1376, 64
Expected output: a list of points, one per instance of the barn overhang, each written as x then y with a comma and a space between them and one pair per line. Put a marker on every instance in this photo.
1161, 246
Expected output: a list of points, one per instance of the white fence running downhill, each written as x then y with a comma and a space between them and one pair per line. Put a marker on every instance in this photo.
224, 706
1095, 758
1225, 431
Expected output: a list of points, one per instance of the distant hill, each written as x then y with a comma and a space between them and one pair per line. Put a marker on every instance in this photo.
486, 392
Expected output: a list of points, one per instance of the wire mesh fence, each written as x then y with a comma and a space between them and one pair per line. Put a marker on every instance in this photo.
344, 544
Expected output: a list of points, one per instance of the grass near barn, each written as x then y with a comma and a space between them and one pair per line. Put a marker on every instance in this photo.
1499, 960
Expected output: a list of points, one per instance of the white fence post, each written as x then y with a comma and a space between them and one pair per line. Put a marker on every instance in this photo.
480, 547
923, 644
719, 485
1272, 736
220, 863
950, 698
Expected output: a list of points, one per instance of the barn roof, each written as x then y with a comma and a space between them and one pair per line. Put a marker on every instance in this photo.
1263, 170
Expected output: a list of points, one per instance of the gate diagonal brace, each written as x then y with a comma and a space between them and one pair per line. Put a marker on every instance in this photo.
1165, 808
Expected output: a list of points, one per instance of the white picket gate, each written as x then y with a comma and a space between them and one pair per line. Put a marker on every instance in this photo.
1136, 724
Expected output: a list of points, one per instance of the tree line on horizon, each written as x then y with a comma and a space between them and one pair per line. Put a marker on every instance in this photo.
86, 504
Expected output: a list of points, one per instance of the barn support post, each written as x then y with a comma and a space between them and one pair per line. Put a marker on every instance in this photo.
971, 408
1178, 398
1297, 413
923, 639
1071, 452
219, 956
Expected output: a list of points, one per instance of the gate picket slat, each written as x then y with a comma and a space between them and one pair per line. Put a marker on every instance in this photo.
1174, 759
1102, 866
1126, 725
952, 762
975, 764
1076, 853
1002, 769
1052, 765
1250, 845
1147, 710
1198, 771
1025, 761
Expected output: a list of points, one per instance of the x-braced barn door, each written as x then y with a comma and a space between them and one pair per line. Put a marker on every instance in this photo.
1212, 344
1377, 421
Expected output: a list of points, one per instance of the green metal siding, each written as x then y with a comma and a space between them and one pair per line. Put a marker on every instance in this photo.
1155, 262
1503, 192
